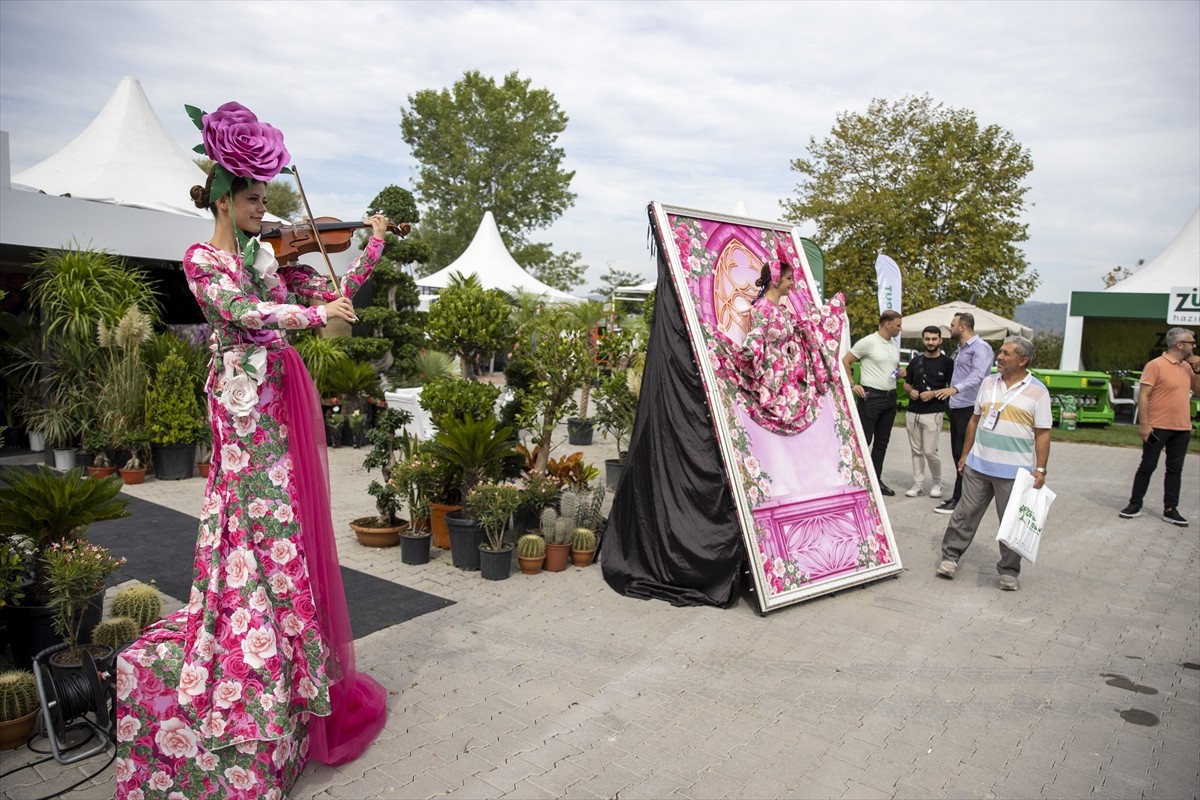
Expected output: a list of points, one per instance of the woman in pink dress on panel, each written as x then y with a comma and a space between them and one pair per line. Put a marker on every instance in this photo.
233, 694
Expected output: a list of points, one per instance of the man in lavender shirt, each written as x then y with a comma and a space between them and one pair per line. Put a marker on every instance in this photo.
972, 363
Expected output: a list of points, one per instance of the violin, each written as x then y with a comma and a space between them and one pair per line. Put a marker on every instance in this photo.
291, 241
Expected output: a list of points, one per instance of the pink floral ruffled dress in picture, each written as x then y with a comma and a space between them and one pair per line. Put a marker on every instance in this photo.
785, 364
231, 695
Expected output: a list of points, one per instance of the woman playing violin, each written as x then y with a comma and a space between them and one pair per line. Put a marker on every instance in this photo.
231, 695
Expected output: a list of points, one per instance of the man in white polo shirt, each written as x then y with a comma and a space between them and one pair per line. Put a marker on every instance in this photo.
1010, 430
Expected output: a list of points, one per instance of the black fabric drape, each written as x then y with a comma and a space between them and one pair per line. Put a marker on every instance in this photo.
672, 532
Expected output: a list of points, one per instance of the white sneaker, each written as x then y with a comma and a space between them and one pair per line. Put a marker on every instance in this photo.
915, 491
936, 491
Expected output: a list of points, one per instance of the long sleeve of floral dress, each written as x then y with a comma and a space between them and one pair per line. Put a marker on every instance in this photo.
785, 363
213, 701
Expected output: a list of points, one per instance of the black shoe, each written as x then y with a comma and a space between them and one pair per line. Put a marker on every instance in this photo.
1130, 511
947, 507
886, 491
1172, 516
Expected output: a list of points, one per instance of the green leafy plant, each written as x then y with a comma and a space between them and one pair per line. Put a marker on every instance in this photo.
493, 504
616, 407
138, 444
140, 602
476, 447
388, 446
45, 508
416, 478
470, 321
538, 492
353, 382
172, 414
571, 471
320, 355
531, 546
75, 573
447, 398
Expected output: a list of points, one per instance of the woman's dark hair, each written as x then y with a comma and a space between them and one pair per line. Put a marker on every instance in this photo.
200, 194
764, 278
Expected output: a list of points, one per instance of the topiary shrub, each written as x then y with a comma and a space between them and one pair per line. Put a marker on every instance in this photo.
172, 414
455, 398
141, 602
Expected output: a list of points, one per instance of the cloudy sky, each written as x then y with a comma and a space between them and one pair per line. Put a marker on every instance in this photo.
697, 104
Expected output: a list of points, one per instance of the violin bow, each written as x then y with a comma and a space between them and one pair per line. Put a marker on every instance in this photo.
316, 233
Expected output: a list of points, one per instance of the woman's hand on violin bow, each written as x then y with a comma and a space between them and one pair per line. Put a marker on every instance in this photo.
341, 308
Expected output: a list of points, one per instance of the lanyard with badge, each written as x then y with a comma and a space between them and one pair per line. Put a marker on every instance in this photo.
993, 415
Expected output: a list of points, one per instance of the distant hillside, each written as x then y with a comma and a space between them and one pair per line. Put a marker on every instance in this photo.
1043, 317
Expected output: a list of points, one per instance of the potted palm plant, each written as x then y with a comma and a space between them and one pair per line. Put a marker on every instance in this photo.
173, 419
38, 510
59, 423
493, 504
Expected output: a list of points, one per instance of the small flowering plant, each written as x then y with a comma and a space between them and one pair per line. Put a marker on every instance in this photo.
75, 572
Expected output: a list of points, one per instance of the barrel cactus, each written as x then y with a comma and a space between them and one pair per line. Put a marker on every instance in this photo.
18, 694
531, 546
583, 539
116, 632
141, 603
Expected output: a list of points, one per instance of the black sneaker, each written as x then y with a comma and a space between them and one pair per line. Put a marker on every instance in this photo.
947, 506
1130, 511
886, 490
1172, 516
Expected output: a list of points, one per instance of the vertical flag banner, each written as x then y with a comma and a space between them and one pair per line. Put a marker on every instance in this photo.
887, 275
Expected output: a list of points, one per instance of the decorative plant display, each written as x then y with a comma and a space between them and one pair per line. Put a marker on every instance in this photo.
476, 447
539, 491
121, 399
583, 546
492, 505
75, 572
616, 407
140, 602
571, 471
416, 478
354, 382
138, 444
388, 447
556, 528
116, 632
454, 398
43, 508
469, 321
173, 415
98, 441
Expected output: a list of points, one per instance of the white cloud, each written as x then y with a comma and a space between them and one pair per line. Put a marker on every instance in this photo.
698, 104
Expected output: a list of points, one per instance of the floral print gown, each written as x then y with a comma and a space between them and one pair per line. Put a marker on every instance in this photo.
785, 363
215, 700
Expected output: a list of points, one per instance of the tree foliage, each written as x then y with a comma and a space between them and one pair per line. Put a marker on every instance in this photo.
483, 146
931, 187
1120, 273
615, 279
469, 321
561, 270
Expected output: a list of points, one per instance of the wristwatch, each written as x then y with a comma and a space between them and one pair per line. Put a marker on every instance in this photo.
1040, 469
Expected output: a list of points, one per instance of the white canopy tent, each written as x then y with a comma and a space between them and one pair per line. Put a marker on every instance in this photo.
488, 258
987, 324
1144, 295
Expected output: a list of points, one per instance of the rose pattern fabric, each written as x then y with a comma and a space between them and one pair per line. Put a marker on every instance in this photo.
215, 699
785, 363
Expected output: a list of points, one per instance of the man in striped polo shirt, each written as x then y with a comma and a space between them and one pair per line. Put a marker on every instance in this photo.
1010, 430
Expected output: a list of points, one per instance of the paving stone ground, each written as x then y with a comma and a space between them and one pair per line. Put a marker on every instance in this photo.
1085, 683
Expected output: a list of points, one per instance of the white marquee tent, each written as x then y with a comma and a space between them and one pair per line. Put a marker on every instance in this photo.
987, 324
488, 258
1143, 295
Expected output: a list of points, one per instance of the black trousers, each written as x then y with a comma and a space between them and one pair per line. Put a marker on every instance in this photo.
960, 419
878, 413
1175, 443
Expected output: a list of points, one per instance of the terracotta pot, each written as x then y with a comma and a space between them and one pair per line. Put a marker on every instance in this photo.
132, 477
531, 566
204, 467
437, 524
101, 472
556, 557
369, 534
15, 732
581, 558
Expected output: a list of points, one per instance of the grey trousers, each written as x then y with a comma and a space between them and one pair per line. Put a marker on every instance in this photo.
978, 491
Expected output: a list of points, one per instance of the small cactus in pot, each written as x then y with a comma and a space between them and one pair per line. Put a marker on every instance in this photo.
531, 552
583, 546
141, 602
116, 632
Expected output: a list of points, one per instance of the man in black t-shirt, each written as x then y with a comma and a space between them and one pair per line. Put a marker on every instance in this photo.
927, 372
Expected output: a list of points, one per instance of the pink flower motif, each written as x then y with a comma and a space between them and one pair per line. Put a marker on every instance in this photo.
125, 767
213, 727
282, 551
292, 625
209, 506
135, 794
235, 139
293, 319
258, 645
127, 728
227, 693
126, 678
258, 600
192, 680
234, 458
239, 566
307, 689
278, 475
240, 778
177, 796
257, 508
246, 424
207, 761
239, 623
284, 514
177, 740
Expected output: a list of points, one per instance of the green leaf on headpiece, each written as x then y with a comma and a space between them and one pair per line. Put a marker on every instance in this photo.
200, 149
222, 183
285, 171
197, 116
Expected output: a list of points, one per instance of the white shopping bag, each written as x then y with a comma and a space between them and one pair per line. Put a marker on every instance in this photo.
1024, 516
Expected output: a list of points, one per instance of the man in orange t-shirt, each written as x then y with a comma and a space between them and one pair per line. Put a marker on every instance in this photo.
1164, 411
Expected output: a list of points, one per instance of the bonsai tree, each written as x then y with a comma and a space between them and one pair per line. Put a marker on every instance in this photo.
389, 445
44, 508
172, 414
469, 321
616, 407
493, 504
476, 447
75, 572
446, 398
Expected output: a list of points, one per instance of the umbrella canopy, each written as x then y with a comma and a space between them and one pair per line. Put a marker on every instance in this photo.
987, 324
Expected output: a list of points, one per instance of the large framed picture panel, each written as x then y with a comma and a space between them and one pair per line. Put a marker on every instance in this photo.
808, 504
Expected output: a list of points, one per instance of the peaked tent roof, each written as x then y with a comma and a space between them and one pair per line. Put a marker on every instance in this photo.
487, 257
987, 324
1178, 265
125, 157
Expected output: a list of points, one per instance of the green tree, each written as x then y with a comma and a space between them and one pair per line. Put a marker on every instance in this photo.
1119, 273
561, 270
931, 187
282, 200
615, 279
469, 321
483, 146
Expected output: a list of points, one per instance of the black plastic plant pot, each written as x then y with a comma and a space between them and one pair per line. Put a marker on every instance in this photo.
414, 547
495, 565
465, 538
